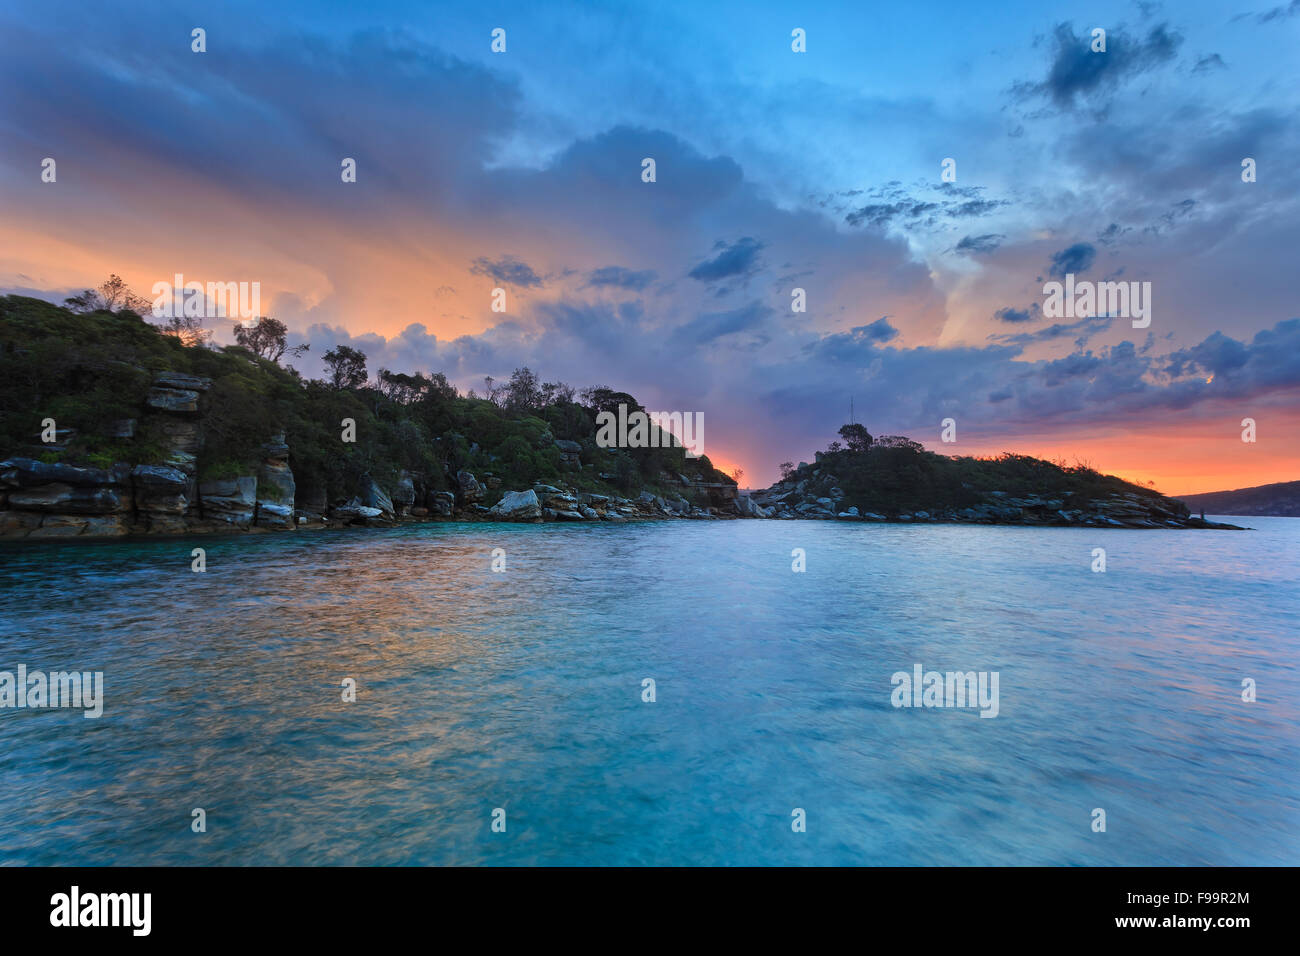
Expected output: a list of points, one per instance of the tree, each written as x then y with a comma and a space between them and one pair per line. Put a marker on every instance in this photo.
787, 470
402, 388
113, 294
118, 295
347, 367
267, 337
523, 392
856, 437
188, 328
737, 475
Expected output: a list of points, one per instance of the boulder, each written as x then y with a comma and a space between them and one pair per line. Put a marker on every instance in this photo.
570, 454
471, 492
175, 400
355, 512
442, 503
272, 514
518, 506
403, 496
181, 380
229, 501
375, 497
160, 491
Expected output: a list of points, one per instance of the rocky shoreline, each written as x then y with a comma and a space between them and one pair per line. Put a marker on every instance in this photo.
43, 499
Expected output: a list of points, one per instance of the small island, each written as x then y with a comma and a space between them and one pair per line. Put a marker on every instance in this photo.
111, 426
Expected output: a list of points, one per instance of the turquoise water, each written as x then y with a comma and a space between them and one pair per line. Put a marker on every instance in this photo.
523, 690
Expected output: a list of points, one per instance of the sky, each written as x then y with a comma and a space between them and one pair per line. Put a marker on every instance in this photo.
775, 170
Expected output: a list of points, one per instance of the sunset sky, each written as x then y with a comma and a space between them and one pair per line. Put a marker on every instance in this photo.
775, 170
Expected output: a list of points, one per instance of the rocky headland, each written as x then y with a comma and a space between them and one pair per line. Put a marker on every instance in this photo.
111, 427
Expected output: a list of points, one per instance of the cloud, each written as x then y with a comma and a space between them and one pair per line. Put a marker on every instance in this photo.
1009, 314
1280, 13
1076, 72
715, 325
1077, 258
980, 244
508, 270
620, 278
881, 214
1207, 63
950, 202
1083, 330
738, 259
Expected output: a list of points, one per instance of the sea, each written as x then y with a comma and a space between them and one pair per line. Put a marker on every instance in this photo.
687, 693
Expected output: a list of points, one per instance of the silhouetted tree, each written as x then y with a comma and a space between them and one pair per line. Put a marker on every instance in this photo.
113, 294
188, 328
347, 367
267, 337
856, 437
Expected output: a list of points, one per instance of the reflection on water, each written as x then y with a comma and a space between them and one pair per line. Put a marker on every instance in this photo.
522, 690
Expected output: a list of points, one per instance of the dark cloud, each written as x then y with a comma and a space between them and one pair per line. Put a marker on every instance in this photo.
1076, 72
620, 278
1077, 258
980, 244
1280, 13
857, 345
508, 270
738, 259
892, 203
881, 214
1211, 62
1083, 330
1009, 314
974, 207
714, 325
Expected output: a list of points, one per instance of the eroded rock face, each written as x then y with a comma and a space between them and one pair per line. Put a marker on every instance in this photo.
518, 506
182, 380
230, 501
275, 486
442, 503
570, 454
26, 472
66, 526
177, 400
161, 497
471, 492
60, 498
376, 497
403, 496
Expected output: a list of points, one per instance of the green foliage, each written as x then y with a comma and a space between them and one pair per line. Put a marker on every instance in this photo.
87, 370
894, 475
